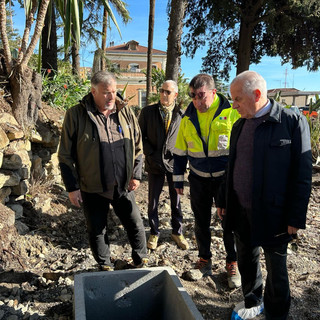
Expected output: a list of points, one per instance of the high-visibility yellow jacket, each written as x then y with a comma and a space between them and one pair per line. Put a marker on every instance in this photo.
203, 140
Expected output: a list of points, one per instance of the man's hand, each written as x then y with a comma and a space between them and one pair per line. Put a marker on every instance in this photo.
75, 198
221, 212
292, 230
133, 184
179, 191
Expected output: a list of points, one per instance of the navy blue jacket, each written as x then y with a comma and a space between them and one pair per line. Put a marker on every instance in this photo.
282, 175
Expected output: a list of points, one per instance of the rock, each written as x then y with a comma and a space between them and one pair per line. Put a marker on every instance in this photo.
18, 210
21, 227
8, 178
4, 194
12, 162
42, 204
20, 189
37, 169
4, 140
24, 172
192, 275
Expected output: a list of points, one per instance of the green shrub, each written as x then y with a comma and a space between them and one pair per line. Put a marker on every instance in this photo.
64, 90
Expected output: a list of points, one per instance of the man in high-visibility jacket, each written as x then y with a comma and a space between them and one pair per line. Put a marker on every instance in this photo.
203, 141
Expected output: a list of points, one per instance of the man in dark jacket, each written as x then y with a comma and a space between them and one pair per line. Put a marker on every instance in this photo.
159, 125
268, 185
100, 157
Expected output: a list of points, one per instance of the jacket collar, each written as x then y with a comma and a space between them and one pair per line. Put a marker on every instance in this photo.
275, 112
274, 116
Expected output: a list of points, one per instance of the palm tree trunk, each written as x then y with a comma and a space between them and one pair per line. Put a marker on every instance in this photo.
49, 47
104, 39
75, 58
177, 13
150, 47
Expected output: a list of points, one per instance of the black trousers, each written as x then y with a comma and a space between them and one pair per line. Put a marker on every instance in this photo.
155, 186
96, 209
277, 292
202, 193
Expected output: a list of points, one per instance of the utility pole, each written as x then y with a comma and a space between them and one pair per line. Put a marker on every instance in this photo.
285, 77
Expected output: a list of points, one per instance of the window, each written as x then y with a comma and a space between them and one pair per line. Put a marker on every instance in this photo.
133, 67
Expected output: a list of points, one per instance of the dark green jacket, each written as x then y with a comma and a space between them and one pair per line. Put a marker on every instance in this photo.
79, 152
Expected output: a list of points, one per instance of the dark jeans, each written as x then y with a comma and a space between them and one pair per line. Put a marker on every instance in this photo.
96, 209
155, 185
202, 193
277, 292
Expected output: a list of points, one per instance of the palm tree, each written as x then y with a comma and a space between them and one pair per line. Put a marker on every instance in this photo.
177, 13
121, 8
49, 47
150, 47
25, 84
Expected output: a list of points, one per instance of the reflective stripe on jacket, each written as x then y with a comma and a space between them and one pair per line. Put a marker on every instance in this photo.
204, 143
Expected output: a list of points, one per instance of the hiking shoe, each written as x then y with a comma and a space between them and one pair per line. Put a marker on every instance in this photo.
142, 264
152, 242
180, 240
234, 279
105, 267
240, 312
204, 266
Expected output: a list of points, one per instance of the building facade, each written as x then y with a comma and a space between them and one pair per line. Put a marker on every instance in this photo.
130, 59
294, 97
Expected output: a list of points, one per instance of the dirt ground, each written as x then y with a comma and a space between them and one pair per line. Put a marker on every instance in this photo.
38, 283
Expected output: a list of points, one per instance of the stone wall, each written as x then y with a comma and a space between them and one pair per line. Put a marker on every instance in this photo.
26, 158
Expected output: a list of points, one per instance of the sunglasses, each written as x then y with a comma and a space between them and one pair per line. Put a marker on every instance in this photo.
200, 95
165, 91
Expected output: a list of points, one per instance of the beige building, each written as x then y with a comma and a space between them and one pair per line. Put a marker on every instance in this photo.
294, 97
131, 59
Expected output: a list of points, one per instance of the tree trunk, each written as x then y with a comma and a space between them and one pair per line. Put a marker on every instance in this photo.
104, 39
75, 58
49, 58
177, 13
248, 22
244, 49
150, 47
26, 90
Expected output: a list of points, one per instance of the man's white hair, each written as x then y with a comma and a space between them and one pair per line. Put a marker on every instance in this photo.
251, 81
173, 83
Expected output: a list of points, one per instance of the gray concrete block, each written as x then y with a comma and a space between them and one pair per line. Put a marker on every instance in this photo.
138, 294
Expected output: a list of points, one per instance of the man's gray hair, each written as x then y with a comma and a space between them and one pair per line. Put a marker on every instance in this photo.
202, 79
102, 77
174, 84
251, 81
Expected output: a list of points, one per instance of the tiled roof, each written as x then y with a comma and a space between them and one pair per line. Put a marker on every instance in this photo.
125, 48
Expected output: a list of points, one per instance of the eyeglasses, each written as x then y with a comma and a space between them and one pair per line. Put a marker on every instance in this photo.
165, 91
200, 95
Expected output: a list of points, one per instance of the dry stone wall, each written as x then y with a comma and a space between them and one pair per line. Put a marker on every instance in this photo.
24, 159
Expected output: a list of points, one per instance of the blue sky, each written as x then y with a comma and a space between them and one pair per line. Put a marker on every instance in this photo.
271, 69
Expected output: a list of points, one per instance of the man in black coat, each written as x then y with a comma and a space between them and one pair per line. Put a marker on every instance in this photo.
159, 125
268, 186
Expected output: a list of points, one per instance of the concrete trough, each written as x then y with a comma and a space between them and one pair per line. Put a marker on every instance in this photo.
149, 293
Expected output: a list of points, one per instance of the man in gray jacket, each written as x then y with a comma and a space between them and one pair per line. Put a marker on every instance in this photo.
100, 157
159, 125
